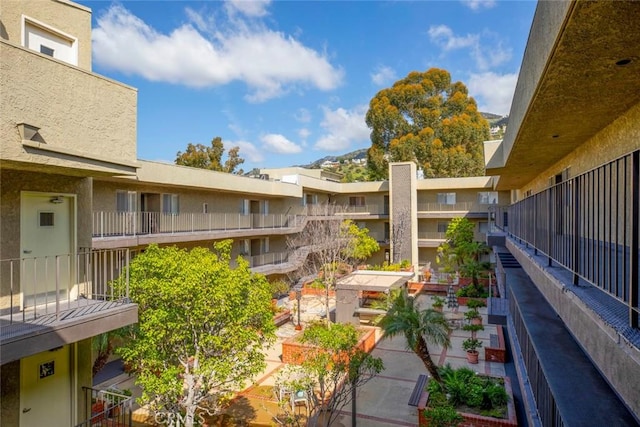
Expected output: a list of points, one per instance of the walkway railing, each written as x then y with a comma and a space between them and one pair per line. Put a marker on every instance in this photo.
33, 287
106, 408
431, 235
110, 224
589, 224
437, 207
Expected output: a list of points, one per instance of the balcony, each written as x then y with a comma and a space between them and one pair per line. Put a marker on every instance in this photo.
430, 239
348, 211
127, 229
106, 408
452, 210
46, 302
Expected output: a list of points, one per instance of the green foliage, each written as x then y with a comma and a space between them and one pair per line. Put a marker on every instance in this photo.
204, 157
279, 287
473, 328
475, 303
426, 118
459, 232
438, 302
461, 251
471, 344
443, 416
391, 267
463, 387
190, 303
360, 245
419, 327
472, 291
334, 366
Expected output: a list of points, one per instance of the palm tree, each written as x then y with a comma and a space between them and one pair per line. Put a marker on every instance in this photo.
419, 327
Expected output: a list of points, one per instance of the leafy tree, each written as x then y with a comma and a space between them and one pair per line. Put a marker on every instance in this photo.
331, 242
203, 157
430, 120
333, 368
201, 327
462, 251
419, 327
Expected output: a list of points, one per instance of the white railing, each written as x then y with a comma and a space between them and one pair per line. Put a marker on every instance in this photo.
110, 224
438, 207
431, 235
47, 285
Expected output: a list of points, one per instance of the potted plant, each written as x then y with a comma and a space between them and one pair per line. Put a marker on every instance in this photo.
473, 316
473, 328
438, 303
471, 345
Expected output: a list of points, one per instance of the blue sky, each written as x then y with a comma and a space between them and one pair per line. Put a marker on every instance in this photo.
290, 81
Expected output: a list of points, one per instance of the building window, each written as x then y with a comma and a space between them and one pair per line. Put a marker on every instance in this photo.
442, 227
447, 198
310, 199
49, 41
356, 201
483, 227
205, 208
126, 201
170, 204
488, 197
46, 50
46, 219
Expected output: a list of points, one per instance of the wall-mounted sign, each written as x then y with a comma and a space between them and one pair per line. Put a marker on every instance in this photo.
47, 369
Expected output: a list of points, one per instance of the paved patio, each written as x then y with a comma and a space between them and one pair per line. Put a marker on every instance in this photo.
383, 400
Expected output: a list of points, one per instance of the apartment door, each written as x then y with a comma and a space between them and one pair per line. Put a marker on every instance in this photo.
150, 212
254, 207
46, 246
45, 389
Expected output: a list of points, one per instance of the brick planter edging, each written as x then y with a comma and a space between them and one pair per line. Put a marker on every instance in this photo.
293, 350
497, 354
473, 420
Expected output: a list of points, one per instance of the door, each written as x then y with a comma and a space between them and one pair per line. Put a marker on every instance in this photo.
46, 245
45, 389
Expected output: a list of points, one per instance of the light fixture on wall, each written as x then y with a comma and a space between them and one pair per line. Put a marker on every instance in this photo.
27, 131
56, 200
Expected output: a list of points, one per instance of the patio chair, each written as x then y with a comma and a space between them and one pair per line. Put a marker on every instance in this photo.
300, 397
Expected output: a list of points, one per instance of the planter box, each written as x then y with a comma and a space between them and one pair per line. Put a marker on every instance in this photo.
293, 351
473, 420
497, 353
281, 318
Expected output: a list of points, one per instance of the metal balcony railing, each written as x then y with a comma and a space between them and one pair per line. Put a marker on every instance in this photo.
50, 288
106, 408
328, 210
431, 235
112, 224
589, 224
439, 207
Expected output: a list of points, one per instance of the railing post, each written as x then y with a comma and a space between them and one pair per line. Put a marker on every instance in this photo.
549, 229
576, 230
128, 257
634, 284
192, 222
57, 287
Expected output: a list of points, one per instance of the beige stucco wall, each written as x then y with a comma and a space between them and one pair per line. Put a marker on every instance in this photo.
619, 138
64, 16
77, 112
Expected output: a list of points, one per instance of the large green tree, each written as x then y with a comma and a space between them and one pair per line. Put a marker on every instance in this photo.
419, 327
204, 157
430, 120
201, 328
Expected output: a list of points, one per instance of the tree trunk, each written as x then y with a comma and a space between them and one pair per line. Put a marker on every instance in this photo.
189, 406
423, 352
103, 356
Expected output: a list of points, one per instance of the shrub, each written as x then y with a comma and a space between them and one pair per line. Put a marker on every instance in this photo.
443, 416
475, 303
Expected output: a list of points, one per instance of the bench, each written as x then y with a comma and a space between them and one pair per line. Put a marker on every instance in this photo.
414, 400
496, 350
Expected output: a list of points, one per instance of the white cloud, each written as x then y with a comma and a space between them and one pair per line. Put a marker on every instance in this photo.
304, 133
443, 36
492, 91
277, 143
383, 76
479, 4
270, 63
484, 48
247, 150
303, 115
253, 8
343, 128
